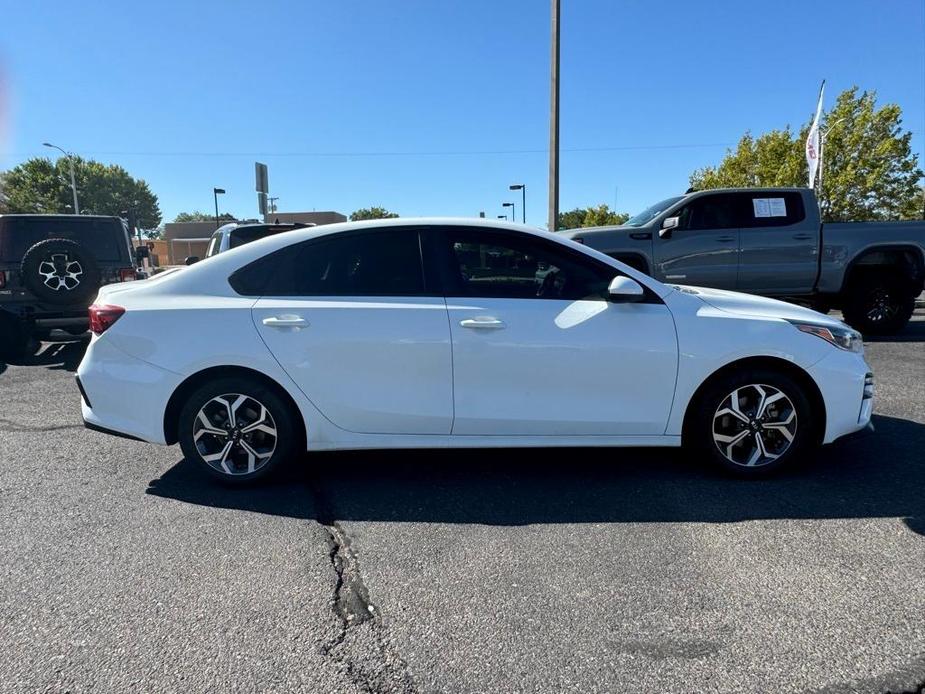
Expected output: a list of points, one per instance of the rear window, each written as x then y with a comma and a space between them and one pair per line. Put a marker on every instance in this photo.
243, 235
104, 238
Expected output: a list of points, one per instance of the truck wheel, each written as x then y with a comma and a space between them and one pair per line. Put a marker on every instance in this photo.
879, 305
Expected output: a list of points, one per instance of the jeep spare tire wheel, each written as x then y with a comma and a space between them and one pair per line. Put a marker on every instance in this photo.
60, 271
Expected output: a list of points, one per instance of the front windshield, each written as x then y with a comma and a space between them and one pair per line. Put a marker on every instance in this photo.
650, 213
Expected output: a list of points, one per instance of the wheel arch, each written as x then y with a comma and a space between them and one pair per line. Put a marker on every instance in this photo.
876, 258
799, 374
191, 383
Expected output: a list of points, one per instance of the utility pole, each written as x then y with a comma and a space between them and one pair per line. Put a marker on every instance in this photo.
554, 122
70, 160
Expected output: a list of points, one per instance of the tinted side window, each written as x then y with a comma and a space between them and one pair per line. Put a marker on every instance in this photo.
710, 212
763, 209
376, 263
498, 265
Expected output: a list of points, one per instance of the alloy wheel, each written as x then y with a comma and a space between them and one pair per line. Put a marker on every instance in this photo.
60, 272
754, 425
235, 434
880, 305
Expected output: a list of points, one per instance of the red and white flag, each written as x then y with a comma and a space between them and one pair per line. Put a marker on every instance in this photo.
813, 145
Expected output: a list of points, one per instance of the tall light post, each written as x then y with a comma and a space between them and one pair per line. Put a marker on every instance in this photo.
522, 187
513, 210
554, 122
70, 159
215, 193
502, 216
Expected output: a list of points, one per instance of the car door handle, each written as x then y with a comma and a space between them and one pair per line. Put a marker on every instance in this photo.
482, 323
285, 321
725, 239
802, 237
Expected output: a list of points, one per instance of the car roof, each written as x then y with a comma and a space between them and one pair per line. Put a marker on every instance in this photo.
211, 274
19, 215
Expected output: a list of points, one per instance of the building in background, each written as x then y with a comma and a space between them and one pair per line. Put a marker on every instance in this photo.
184, 239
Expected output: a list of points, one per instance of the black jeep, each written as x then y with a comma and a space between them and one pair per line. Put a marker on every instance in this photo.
51, 267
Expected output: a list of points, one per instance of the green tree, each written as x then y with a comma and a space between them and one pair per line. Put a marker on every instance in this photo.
372, 213
602, 215
571, 219
197, 216
42, 186
596, 216
870, 171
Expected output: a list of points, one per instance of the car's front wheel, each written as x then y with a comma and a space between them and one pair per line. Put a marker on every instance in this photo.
238, 429
752, 423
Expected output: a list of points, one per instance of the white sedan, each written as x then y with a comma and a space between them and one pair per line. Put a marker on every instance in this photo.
436, 333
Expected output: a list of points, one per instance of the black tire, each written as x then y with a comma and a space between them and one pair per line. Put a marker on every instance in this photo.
16, 339
60, 271
879, 304
707, 419
282, 419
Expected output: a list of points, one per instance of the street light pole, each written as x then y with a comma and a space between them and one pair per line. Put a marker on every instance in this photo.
522, 187
554, 122
215, 193
513, 210
70, 160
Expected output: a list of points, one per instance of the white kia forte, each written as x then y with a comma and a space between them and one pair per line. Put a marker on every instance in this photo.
437, 333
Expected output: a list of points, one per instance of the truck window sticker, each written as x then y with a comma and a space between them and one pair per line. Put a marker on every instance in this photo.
769, 207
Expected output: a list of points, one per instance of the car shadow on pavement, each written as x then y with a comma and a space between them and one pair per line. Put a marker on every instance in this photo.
876, 475
913, 332
54, 355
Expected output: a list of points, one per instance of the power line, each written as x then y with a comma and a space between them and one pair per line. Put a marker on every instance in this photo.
420, 153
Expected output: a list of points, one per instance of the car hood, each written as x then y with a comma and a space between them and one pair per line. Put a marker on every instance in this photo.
757, 306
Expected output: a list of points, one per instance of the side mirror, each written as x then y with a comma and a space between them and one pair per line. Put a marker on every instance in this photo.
191, 259
667, 225
625, 290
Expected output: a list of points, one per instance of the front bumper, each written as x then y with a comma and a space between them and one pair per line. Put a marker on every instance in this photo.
842, 378
122, 394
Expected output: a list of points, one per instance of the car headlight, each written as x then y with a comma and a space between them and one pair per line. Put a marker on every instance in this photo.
843, 338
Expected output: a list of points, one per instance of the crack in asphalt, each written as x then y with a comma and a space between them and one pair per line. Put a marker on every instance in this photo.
11, 425
361, 646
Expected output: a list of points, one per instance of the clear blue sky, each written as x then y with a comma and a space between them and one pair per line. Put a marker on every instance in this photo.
430, 107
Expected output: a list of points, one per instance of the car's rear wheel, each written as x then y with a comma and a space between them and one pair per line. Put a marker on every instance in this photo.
238, 429
752, 423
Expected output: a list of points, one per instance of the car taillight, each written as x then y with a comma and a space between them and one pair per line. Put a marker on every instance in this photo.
127, 274
2, 279
102, 316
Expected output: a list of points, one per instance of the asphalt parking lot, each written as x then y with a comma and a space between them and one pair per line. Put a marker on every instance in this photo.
124, 569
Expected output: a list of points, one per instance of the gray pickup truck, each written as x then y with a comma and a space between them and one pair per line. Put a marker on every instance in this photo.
770, 241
